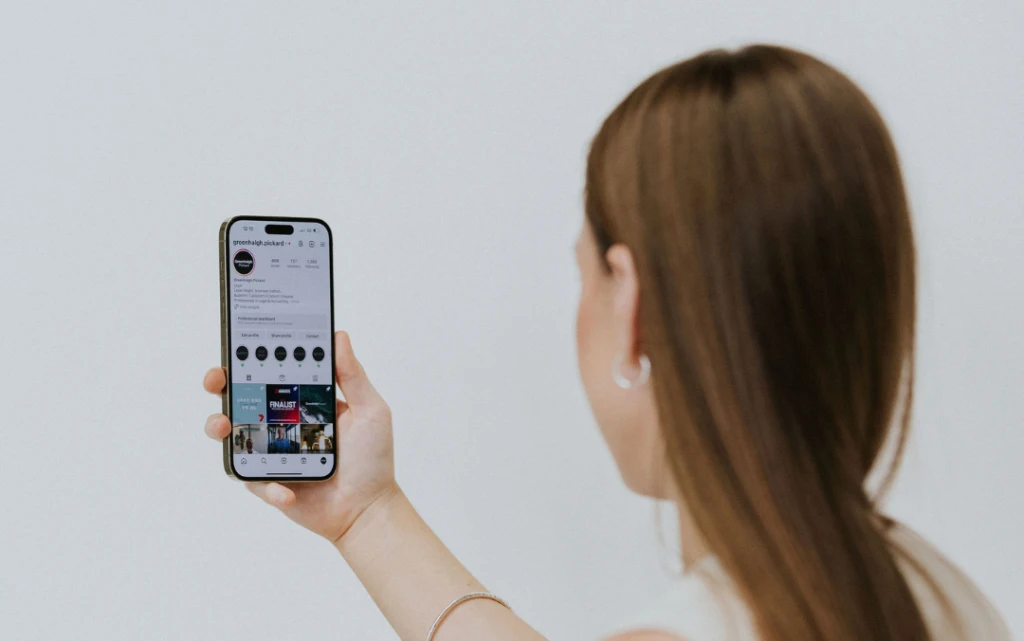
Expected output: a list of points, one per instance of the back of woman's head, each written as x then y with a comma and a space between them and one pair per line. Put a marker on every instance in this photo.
760, 194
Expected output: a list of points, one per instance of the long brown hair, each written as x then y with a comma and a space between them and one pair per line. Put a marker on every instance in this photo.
761, 196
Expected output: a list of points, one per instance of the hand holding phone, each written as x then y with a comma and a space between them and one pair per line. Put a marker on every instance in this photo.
366, 468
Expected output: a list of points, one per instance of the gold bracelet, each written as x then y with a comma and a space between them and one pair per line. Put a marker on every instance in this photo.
459, 601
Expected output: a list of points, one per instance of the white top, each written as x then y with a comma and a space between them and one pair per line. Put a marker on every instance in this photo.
702, 604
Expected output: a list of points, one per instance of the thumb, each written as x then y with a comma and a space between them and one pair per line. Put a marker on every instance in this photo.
352, 380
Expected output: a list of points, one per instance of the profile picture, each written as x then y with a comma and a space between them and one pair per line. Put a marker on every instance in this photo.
243, 262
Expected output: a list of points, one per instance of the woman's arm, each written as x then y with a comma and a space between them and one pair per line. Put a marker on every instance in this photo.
409, 573
412, 577
406, 569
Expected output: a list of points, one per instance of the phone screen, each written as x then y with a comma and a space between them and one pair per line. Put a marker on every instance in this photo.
279, 328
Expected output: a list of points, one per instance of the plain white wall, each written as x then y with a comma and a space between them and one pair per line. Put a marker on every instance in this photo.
444, 142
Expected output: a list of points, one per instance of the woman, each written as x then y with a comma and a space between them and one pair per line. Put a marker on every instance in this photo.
746, 317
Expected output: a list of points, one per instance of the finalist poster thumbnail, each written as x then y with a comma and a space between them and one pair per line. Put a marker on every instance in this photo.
282, 403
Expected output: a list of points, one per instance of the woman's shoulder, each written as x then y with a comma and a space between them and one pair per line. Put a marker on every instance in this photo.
952, 604
703, 605
700, 605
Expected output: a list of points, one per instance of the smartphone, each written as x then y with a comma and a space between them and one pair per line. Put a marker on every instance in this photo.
277, 329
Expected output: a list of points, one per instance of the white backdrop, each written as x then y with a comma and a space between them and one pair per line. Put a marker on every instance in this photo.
444, 142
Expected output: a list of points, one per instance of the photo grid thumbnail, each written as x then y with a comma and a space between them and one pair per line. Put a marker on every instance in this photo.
317, 438
249, 439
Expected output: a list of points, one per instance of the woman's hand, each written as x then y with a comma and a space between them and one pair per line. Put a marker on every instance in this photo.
407, 570
365, 460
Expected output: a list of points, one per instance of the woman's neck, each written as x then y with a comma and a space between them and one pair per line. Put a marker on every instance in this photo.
692, 543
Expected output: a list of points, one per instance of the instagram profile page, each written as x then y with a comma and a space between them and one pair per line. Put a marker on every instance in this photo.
279, 306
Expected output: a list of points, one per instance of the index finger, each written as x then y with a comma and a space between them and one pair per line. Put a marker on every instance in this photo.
214, 380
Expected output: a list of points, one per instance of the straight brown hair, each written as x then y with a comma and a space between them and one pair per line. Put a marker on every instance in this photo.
761, 196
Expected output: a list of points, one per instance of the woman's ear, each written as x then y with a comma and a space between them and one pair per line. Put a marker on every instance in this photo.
625, 302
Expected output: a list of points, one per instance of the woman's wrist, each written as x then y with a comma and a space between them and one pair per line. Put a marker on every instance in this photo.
376, 510
413, 577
